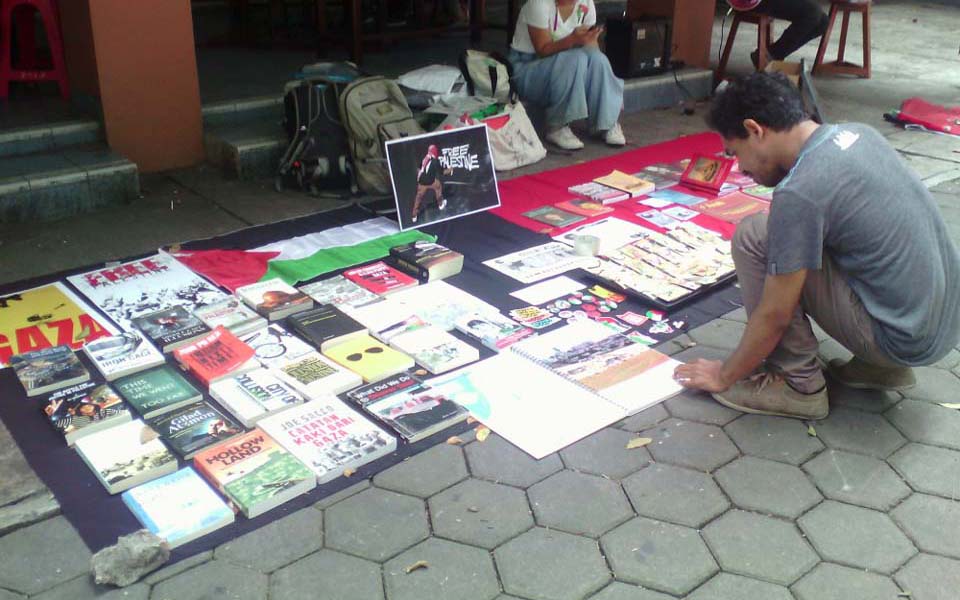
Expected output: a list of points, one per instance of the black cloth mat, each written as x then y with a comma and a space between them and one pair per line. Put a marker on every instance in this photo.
100, 518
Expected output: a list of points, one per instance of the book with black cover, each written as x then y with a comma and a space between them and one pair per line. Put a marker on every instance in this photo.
170, 328
325, 326
383, 388
427, 261
417, 413
194, 427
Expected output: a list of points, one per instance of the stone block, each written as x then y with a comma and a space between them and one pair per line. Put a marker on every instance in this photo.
26, 556
214, 579
83, 587
934, 385
727, 586
828, 581
929, 469
579, 503
453, 571
860, 432
342, 494
701, 407
28, 511
932, 523
644, 419
543, 564
328, 575
693, 445
857, 479
871, 401
375, 524
929, 577
426, 473
926, 423
178, 567
605, 453
618, 590
768, 487
480, 513
277, 543
669, 493
775, 438
719, 333
500, 461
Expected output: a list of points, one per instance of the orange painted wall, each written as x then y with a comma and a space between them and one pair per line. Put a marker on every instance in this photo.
78, 51
692, 26
148, 81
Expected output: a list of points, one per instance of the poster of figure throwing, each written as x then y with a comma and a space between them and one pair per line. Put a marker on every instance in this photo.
442, 175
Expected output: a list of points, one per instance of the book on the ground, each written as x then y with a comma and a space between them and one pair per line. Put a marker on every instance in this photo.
732, 208
625, 182
232, 314
707, 172
254, 472
325, 326
434, 349
417, 413
82, 409
553, 216
380, 278
253, 395
427, 261
369, 358
48, 369
439, 303
662, 175
315, 375
378, 390
539, 262
126, 455
157, 391
216, 355
179, 507
170, 328
193, 427
329, 437
598, 192
123, 354
144, 286
274, 298
275, 347
339, 291
493, 330
584, 206
46, 316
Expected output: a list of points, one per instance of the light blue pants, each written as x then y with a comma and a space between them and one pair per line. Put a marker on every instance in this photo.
571, 85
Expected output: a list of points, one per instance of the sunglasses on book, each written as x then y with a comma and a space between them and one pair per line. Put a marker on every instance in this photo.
358, 355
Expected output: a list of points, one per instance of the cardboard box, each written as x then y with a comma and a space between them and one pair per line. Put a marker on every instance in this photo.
791, 69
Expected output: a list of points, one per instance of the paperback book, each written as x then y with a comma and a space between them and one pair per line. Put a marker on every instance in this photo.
369, 358
253, 395
144, 286
126, 455
435, 350
427, 261
438, 302
631, 184
707, 172
395, 384
315, 376
553, 216
254, 472
493, 330
662, 175
48, 369
179, 507
170, 328
339, 291
191, 428
274, 298
760, 191
538, 262
275, 347
232, 314
584, 206
329, 437
733, 208
82, 409
156, 391
380, 278
216, 355
598, 192
418, 413
123, 354
325, 326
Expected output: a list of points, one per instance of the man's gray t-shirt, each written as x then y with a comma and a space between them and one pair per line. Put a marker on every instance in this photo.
850, 196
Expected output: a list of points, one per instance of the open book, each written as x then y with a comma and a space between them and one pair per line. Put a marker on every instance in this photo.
549, 391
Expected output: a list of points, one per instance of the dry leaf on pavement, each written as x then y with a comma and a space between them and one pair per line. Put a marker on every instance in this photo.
639, 442
482, 433
454, 440
420, 564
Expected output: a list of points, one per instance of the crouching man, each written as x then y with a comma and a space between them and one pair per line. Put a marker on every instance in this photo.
853, 240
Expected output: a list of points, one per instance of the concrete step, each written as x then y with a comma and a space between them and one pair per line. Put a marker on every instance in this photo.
667, 89
29, 139
60, 183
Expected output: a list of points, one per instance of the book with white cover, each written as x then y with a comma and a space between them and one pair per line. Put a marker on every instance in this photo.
434, 349
275, 347
145, 286
123, 354
315, 376
340, 292
274, 298
539, 262
232, 314
126, 455
253, 395
437, 302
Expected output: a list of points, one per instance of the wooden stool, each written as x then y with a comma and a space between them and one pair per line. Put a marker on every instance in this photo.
841, 66
764, 37
28, 69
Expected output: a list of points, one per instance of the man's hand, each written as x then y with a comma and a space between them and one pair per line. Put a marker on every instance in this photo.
701, 374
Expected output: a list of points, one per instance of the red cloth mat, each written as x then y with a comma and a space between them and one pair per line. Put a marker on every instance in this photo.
522, 194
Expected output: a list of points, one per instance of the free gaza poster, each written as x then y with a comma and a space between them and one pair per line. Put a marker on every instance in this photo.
442, 175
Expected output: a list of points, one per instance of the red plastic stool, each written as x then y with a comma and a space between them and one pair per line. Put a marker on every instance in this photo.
28, 69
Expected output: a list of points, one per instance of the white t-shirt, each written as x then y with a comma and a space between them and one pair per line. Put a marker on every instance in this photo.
545, 15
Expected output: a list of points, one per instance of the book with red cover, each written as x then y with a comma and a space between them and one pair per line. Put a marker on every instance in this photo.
584, 206
216, 355
380, 278
733, 207
707, 172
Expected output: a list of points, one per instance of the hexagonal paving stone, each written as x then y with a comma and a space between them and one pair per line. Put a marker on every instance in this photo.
376, 524
739, 315
5, 595
624, 591
605, 453
727, 586
932, 523
929, 577
934, 385
647, 417
28, 553
719, 333
425, 474
757, 546
776, 438
84, 587
858, 431
767, 486
579, 503
701, 407
948, 362
498, 460
828, 581
694, 445
215, 579
658, 555
454, 571
929, 469
927, 423
857, 479
543, 564
856, 536
276, 544
480, 513
698, 351
669, 493
329, 575
871, 401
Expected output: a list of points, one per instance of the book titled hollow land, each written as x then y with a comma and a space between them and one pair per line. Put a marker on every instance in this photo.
157, 391
80, 410
126, 455
48, 369
179, 507
194, 427
329, 437
254, 472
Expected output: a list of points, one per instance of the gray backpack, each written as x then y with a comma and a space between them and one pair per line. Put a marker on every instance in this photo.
373, 110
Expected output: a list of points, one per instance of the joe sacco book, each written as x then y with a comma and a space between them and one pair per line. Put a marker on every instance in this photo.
442, 175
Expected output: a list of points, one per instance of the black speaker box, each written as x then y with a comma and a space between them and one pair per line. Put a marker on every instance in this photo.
638, 47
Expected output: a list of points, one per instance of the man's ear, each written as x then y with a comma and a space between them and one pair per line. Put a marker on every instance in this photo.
753, 128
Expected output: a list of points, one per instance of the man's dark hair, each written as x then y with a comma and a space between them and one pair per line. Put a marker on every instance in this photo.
770, 99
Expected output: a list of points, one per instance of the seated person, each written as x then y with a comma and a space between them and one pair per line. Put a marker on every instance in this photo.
807, 22
558, 65
854, 240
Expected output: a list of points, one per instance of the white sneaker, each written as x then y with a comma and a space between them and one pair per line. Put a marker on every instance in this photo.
564, 138
614, 136
443, 204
